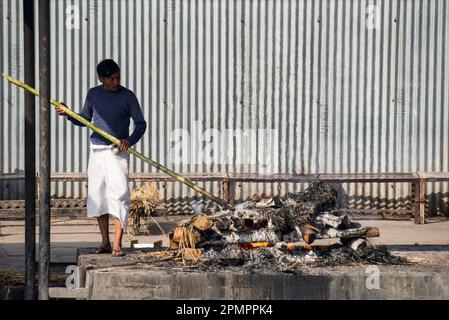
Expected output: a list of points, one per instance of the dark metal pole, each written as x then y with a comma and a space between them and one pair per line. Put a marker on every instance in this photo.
30, 154
44, 148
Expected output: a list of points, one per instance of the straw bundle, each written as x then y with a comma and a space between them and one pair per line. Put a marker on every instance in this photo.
144, 200
186, 236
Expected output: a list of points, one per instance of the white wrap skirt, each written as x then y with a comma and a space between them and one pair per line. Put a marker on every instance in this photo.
108, 188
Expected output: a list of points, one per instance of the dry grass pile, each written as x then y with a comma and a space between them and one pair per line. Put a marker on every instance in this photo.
144, 200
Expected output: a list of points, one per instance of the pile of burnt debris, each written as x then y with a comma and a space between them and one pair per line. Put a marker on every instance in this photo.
277, 234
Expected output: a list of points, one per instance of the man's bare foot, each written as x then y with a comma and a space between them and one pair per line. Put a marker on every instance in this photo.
117, 252
101, 250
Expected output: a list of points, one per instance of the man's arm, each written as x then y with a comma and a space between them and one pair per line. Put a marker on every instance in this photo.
139, 121
86, 113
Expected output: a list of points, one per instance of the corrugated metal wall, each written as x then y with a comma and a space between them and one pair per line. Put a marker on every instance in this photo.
350, 86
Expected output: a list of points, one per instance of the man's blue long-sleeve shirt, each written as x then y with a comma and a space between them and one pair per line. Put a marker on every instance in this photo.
111, 111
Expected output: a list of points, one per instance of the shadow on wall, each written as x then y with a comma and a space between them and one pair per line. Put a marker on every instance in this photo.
13, 189
437, 204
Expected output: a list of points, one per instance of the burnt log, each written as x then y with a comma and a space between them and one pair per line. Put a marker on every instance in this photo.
329, 220
349, 233
357, 244
308, 233
202, 222
223, 223
239, 224
262, 235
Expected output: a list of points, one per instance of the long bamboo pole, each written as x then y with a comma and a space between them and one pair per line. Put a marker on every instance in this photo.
116, 141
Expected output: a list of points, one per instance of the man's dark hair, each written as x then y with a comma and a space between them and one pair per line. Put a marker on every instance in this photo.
107, 67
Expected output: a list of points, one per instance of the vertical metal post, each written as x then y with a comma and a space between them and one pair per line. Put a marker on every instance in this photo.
422, 201
415, 195
229, 191
44, 148
30, 153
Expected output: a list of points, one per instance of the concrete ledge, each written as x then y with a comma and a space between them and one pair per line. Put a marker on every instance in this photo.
133, 283
65, 293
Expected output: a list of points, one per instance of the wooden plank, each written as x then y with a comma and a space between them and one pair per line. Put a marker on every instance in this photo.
197, 176
328, 177
13, 214
434, 176
377, 210
415, 197
232, 193
225, 188
154, 176
331, 178
55, 203
19, 214
6, 177
422, 201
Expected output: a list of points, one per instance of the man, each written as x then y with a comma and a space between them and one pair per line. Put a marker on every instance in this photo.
110, 107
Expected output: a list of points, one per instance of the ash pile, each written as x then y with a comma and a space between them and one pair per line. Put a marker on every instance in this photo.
277, 235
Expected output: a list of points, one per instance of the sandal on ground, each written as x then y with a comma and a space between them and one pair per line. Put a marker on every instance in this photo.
118, 253
101, 250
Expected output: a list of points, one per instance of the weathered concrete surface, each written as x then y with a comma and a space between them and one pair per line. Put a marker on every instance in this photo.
108, 277
394, 283
67, 236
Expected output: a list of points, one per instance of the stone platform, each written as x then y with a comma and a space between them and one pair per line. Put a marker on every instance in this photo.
107, 277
